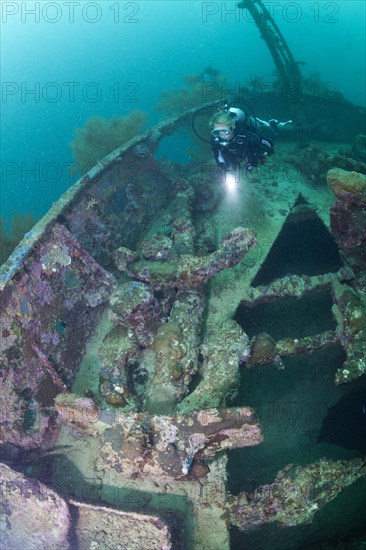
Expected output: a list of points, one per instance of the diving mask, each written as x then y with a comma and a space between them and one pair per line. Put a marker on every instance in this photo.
222, 133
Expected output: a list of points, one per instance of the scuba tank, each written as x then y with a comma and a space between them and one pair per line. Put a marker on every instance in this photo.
254, 122
242, 118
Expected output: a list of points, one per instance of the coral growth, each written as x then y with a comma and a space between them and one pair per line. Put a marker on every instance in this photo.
348, 218
296, 494
100, 136
192, 94
176, 354
350, 311
118, 352
262, 350
348, 186
191, 271
32, 515
222, 351
160, 448
313, 161
10, 238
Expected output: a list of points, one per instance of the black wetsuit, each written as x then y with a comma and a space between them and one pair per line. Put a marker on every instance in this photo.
246, 145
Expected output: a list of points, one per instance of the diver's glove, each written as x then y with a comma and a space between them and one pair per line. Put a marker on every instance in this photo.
275, 124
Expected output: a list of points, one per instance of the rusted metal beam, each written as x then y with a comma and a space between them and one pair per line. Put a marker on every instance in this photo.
265, 350
161, 448
277, 45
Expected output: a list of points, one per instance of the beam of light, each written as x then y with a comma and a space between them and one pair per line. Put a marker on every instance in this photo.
231, 184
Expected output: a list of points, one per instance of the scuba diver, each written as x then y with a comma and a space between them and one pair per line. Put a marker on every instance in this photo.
236, 137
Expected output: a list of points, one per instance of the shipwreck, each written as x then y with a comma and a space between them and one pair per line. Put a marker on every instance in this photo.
136, 314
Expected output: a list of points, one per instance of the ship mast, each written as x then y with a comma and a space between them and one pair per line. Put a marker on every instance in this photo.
286, 65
